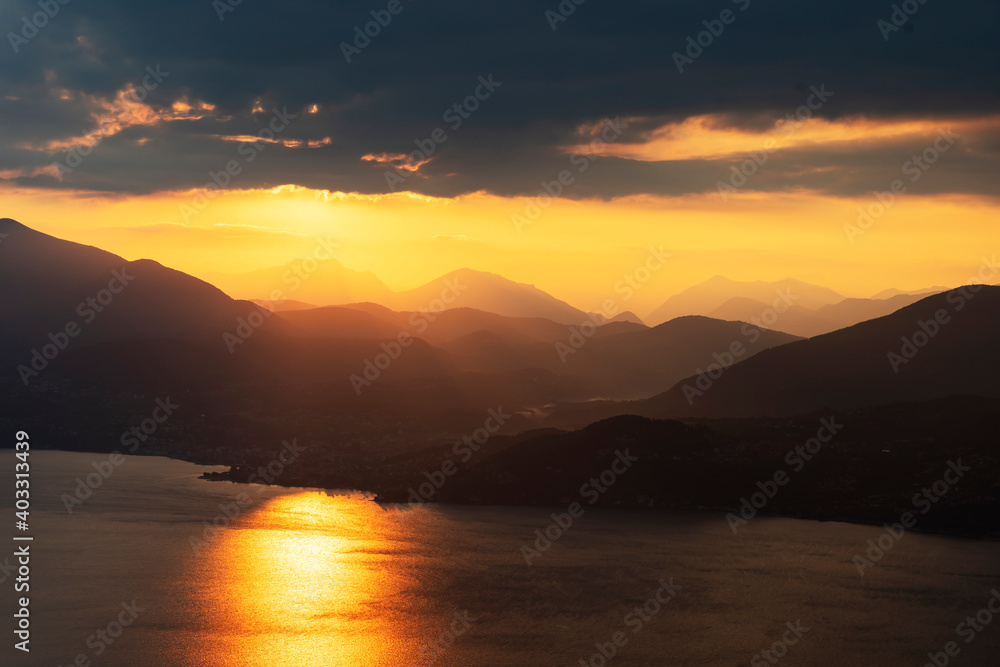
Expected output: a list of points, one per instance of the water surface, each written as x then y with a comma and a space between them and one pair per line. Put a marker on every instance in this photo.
307, 578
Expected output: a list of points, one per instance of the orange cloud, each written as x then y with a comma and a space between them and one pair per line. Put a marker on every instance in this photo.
48, 170
287, 143
708, 137
123, 111
396, 161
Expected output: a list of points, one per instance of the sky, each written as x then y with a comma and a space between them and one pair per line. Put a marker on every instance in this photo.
845, 144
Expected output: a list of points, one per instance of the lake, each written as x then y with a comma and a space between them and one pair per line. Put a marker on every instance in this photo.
310, 578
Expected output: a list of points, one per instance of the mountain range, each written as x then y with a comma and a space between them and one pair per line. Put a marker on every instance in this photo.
89, 340
563, 356
331, 284
942, 345
536, 348
806, 322
789, 305
939, 347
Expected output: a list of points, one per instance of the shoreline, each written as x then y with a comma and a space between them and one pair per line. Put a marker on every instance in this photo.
380, 498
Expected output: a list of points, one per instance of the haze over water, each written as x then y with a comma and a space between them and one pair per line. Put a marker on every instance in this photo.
306, 578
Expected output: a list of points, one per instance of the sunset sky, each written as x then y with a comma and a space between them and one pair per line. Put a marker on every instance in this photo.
648, 176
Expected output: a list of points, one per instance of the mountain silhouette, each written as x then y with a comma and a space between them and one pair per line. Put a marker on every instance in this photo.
624, 359
927, 291
437, 328
633, 363
162, 321
705, 297
466, 288
333, 285
627, 316
101, 296
889, 359
872, 462
529, 358
284, 304
804, 322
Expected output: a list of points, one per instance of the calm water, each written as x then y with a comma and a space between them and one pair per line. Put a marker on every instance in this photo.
305, 578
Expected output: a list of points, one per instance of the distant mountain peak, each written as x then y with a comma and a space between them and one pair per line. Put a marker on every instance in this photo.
893, 291
11, 226
490, 292
627, 316
476, 274
704, 298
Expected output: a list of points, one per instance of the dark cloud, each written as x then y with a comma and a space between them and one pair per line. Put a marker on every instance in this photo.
607, 59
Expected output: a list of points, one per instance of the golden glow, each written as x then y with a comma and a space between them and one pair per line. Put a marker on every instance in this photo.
707, 137
287, 143
396, 161
306, 580
570, 250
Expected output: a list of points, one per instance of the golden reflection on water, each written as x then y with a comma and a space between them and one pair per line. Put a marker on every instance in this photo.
306, 580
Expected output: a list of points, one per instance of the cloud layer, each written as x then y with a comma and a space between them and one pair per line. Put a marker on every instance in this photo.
84, 80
